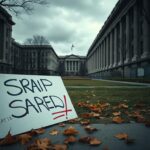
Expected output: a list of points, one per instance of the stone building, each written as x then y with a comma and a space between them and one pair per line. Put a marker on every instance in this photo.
34, 59
72, 65
5, 41
122, 46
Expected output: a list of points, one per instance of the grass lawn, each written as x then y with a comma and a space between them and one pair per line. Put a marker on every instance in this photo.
89, 82
135, 99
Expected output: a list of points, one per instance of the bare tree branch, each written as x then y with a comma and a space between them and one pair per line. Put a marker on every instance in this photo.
37, 40
16, 6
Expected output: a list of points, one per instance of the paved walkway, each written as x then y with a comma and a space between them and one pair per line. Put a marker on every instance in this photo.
124, 82
105, 133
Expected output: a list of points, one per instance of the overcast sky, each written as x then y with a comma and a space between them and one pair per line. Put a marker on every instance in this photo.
65, 22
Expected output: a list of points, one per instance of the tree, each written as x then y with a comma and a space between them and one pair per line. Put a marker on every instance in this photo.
16, 6
37, 40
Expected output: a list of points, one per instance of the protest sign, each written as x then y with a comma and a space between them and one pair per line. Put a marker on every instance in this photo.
29, 102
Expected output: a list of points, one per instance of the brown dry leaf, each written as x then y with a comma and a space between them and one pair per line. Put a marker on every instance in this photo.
85, 139
9, 139
40, 144
37, 131
121, 136
54, 132
90, 129
70, 131
86, 115
73, 120
85, 122
116, 113
95, 141
59, 147
95, 115
70, 139
123, 106
24, 138
40, 131
117, 119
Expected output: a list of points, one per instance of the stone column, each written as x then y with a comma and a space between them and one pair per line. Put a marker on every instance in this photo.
121, 48
135, 34
111, 49
146, 29
106, 54
127, 39
115, 47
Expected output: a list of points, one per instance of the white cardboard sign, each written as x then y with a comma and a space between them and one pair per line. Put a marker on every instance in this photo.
29, 102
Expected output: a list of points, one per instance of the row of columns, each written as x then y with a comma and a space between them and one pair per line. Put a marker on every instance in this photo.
114, 50
72, 66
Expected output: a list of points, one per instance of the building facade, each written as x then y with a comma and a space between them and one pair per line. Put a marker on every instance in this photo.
6, 24
34, 59
72, 65
122, 46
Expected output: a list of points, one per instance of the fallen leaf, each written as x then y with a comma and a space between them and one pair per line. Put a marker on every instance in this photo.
85, 122
40, 131
70, 139
9, 139
90, 129
24, 138
123, 106
116, 113
37, 131
85, 139
40, 144
54, 132
121, 136
95, 141
86, 115
59, 147
70, 131
117, 119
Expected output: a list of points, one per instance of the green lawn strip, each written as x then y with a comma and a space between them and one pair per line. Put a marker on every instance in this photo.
112, 96
89, 82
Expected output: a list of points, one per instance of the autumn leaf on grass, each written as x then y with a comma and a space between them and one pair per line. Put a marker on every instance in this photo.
85, 122
70, 131
116, 113
54, 132
9, 139
94, 141
58, 147
121, 136
90, 129
86, 115
24, 138
117, 119
40, 144
70, 139
123, 106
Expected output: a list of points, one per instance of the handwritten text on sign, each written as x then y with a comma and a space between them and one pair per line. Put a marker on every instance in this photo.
30, 102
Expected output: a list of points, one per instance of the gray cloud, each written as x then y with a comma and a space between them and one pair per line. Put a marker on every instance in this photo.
65, 22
